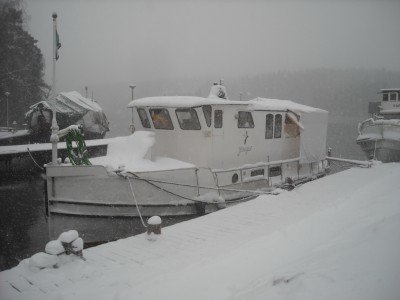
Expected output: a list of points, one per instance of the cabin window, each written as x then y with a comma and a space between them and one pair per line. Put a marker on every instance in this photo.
269, 126
161, 118
245, 120
257, 172
290, 128
207, 114
188, 119
143, 118
218, 118
278, 126
385, 97
275, 171
392, 96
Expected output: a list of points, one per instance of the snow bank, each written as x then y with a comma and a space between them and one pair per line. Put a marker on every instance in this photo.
133, 153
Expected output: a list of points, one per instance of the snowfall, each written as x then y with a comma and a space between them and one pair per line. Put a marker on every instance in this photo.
333, 238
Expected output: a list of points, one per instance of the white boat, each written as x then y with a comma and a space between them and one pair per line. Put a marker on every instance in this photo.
188, 156
379, 136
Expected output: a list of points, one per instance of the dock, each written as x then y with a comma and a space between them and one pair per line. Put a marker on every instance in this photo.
335, 237
42, 152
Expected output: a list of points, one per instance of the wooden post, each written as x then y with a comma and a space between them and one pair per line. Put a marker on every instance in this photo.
154, 225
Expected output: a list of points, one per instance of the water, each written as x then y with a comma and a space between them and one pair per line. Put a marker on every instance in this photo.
23, 227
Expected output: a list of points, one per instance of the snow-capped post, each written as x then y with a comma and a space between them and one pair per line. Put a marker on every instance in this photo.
54, 139
154, 225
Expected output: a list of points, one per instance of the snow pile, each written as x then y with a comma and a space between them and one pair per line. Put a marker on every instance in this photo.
133, 153
57, 251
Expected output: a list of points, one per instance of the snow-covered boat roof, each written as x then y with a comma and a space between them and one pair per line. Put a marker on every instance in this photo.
69, 103
190, 101
389, 90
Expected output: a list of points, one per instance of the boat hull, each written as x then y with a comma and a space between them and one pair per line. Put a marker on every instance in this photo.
383, 150
103, 206
380, 139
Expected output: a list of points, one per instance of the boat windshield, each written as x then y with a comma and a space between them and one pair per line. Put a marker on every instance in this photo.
161, 118
188, 119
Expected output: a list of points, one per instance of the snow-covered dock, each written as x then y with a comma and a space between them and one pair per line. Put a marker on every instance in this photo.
333, 238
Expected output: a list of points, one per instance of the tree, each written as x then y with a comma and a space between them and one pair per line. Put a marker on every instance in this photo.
21, 64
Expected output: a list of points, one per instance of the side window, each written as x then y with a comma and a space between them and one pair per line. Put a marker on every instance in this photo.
392, 96
278, 126
207, 114
218, 118
290, 128
269, 126
188, 119
385, 97
245, 120
161, 118
143, 118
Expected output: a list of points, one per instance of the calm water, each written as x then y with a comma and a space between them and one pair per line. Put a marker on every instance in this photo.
23, 227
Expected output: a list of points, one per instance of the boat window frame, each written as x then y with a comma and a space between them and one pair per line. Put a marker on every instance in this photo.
217, 124
191, 110
208, 118
385, 97
269, 134
278, 135
248, 120
168, 119
141, 117
390, 96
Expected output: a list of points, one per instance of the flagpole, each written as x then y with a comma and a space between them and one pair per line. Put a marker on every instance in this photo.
53, 85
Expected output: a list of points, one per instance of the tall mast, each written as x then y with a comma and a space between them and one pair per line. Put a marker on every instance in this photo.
53, 83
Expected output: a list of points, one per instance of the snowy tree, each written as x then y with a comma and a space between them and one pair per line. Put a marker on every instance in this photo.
21, 64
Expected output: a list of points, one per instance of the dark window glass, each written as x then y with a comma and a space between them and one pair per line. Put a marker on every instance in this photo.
161, 118
278, 126
218, 118
269, 126
245, 120
187, 118
207, 114
143, 118
392, 96
257, 172
275, 171
385, 97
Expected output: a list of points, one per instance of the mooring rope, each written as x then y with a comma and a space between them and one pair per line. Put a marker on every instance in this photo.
137, 206
34, 160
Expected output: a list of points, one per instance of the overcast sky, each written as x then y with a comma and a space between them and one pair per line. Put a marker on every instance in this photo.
129, 41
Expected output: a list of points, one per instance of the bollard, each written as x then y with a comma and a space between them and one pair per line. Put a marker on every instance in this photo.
154, 225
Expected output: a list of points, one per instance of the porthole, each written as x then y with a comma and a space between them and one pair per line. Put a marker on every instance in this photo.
235, 178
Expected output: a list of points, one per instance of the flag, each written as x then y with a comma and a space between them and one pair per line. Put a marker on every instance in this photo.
58, 44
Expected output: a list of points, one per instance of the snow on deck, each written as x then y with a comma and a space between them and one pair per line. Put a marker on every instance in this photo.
15, 149
333, 238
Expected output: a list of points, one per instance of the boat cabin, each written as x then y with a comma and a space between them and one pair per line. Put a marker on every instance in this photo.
390, 103
218, 133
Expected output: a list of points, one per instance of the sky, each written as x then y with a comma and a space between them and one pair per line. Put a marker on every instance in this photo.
124, 42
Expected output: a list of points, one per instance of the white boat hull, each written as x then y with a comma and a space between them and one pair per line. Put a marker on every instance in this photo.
380, 140
101, 206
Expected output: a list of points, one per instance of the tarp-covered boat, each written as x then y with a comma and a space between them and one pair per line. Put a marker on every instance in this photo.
71, 108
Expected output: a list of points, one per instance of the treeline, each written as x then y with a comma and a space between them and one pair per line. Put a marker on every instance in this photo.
21, 64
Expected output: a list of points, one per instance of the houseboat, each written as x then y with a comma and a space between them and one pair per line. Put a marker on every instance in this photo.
379, 136
188, 156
